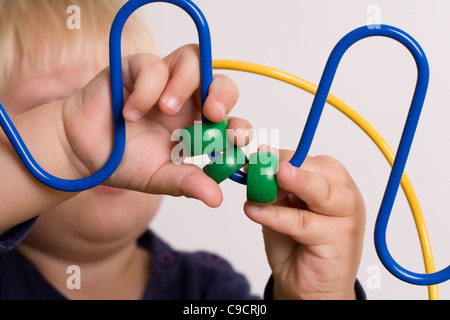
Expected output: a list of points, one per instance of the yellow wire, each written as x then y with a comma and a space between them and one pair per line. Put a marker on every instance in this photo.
369, 130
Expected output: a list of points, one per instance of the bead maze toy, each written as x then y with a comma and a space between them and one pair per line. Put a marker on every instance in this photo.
227, 160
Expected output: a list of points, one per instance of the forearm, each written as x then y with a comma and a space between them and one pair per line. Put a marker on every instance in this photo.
22, 196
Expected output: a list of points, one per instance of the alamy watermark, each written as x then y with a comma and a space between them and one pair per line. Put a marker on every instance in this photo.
373, 281
74, 20
374, 19
217, 143
74, 280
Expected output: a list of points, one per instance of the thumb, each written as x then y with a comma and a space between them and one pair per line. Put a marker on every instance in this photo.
186, 180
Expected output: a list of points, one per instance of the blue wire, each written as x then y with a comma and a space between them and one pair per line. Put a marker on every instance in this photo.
403, 149
54, 182
117, 101
206, 68
204, 40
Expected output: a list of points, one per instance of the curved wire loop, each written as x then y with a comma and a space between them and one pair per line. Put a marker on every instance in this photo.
371, 132
403, 148
115, 45
117, 100
206, 69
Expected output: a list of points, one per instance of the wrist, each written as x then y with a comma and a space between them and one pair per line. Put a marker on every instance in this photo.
42, 132
280, 294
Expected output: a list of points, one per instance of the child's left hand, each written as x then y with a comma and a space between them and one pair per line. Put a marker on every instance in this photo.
314, 233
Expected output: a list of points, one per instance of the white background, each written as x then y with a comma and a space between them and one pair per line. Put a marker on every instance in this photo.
376, 77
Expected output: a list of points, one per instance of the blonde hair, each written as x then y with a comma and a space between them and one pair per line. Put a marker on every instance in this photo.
35, 37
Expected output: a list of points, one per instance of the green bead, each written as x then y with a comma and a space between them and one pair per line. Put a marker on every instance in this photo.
261, 182
227, 163
204, 138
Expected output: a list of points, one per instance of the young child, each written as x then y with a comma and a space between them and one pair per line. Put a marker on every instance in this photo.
55, 86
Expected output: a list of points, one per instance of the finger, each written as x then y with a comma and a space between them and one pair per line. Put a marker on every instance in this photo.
186, 180
303, 226
320, 194
222, 97
184, 68
240, 131
144, 77
330, 168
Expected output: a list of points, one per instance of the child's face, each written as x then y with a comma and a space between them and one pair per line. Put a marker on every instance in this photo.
102, 215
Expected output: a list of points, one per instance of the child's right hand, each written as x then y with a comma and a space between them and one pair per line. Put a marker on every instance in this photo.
172, 85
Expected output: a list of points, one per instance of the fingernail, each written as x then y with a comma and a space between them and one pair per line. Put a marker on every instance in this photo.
254, 207
133, 115
290, 170
173, 103
223, 111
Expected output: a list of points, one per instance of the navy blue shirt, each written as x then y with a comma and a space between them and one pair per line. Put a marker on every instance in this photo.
174, 275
